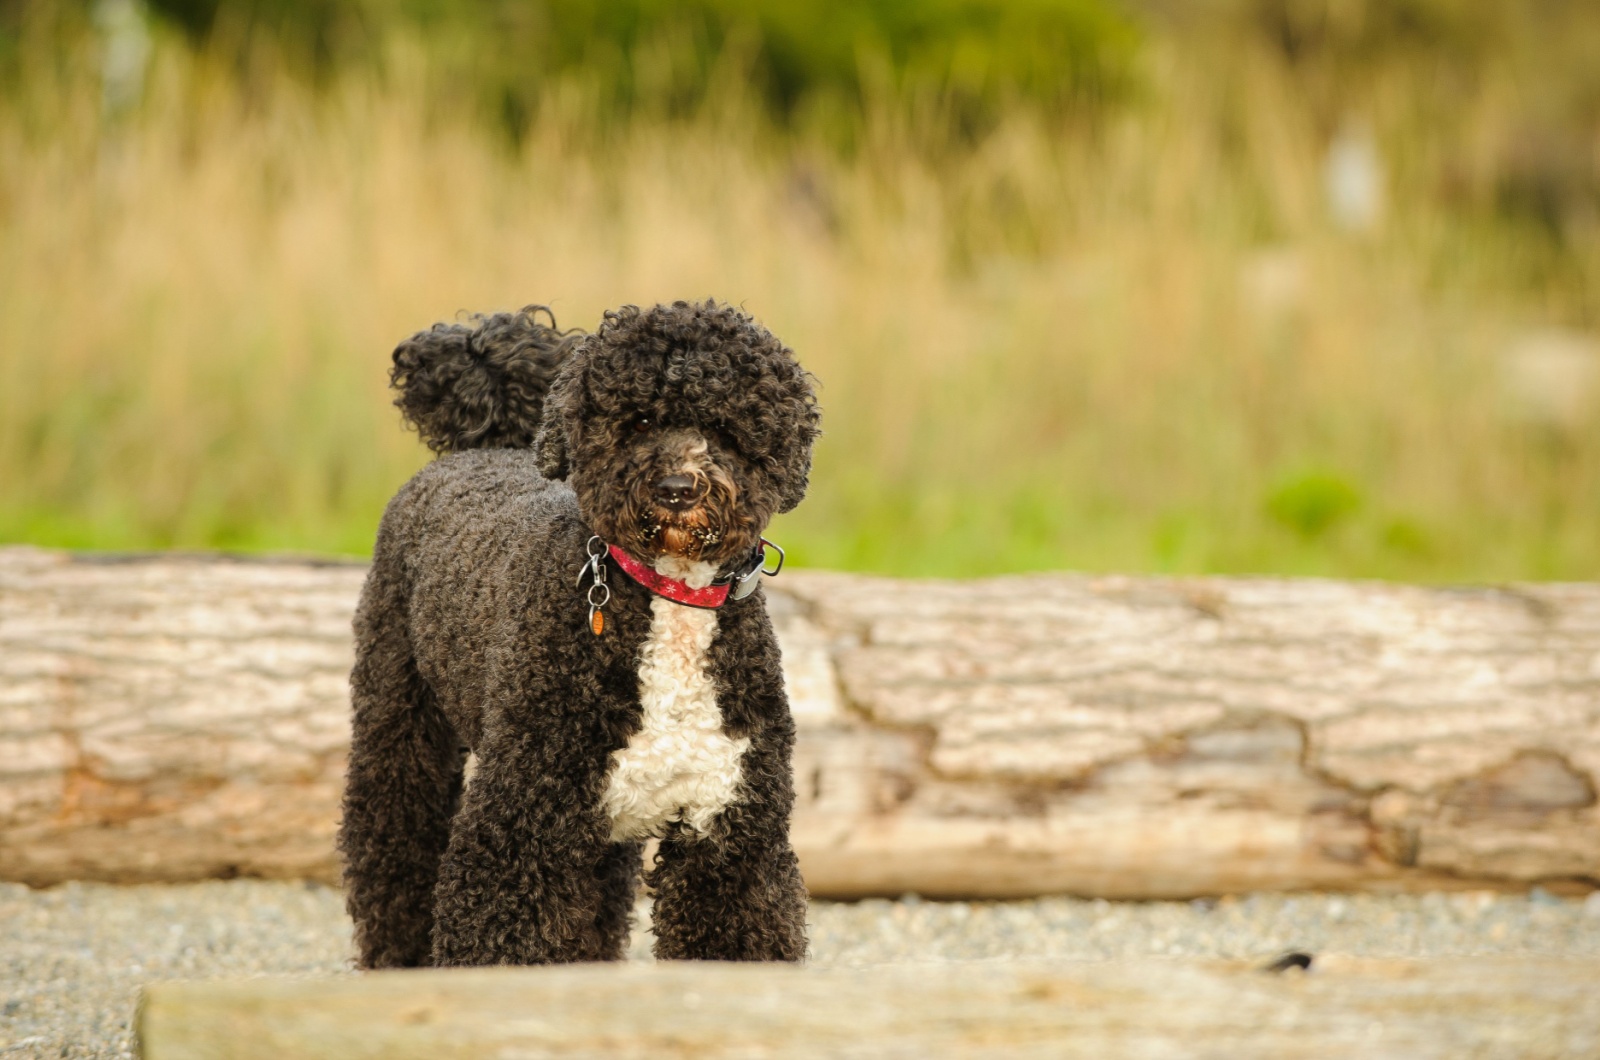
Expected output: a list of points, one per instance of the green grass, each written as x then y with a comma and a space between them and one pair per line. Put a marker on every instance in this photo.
1127, 343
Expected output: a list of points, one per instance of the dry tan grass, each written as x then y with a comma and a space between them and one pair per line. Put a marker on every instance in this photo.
1131, 344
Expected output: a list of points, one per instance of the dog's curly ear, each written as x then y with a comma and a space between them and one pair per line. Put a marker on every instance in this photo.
560, 418
803, 418
794, 494
794, 489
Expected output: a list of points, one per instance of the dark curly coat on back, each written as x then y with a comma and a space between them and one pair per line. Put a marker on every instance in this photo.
674, 433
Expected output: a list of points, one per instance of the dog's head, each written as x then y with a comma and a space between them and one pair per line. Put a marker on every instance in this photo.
683, 430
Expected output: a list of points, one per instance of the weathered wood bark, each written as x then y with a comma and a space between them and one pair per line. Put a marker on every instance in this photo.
1147, 737
1342, 1008
169, 717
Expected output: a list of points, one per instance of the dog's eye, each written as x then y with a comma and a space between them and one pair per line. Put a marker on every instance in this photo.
642, 424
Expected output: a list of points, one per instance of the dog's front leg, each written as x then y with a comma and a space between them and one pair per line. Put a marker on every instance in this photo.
736, 894
529, 870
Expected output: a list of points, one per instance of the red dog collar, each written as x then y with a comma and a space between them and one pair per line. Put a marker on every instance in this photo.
674, 589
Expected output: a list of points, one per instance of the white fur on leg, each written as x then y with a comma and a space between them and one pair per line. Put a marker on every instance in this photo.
679, 766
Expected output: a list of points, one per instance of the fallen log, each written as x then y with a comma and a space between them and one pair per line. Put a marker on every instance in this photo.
1154, 737
170, 717
1341, 1008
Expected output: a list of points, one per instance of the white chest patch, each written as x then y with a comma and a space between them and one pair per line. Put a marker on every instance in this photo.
679, 766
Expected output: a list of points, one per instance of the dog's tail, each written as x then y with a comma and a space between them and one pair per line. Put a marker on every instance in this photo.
480, 384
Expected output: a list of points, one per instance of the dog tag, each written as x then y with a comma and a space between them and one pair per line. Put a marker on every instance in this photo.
599, 594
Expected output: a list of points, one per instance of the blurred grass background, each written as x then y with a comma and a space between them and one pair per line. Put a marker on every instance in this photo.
1299, 286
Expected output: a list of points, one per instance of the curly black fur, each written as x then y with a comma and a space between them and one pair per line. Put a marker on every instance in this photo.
471, 636
480, 385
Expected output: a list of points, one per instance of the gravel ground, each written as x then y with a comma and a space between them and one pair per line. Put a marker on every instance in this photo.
72, 958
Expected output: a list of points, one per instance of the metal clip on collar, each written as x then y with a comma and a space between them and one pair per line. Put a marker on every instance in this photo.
745, 583
599, 594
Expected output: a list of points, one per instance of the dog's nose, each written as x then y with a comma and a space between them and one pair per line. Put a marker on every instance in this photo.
675, 491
